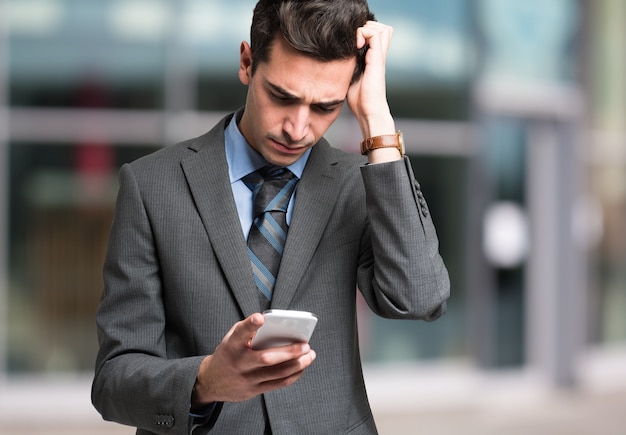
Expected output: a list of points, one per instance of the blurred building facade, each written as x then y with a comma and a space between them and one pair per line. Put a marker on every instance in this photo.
514, 115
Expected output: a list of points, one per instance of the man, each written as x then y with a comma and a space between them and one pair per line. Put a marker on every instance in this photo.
180, 306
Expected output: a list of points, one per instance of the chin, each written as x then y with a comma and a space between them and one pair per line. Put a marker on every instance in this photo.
282, 160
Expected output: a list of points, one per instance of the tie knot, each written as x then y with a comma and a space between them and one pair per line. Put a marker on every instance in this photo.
272, 187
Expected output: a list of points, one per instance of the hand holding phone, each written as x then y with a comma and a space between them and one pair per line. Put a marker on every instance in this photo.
283, 327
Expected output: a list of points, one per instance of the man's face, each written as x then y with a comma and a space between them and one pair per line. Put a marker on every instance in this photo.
292, 100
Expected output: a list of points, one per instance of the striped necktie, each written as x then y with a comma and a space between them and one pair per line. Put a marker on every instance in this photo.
271, 188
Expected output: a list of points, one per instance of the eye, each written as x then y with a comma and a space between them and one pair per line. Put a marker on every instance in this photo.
325, 109
281, 98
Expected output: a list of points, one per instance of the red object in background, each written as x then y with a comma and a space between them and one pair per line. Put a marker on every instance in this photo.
94, 158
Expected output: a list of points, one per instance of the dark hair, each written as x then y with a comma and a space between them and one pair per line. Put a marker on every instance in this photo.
322, 29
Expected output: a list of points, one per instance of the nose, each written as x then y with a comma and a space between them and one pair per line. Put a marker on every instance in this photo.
296, 124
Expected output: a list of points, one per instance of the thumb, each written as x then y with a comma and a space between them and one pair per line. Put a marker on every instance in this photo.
245, 330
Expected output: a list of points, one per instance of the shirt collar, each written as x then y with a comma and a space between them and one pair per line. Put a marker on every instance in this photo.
243, 159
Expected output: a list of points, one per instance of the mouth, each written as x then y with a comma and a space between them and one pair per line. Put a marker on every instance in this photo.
288, 148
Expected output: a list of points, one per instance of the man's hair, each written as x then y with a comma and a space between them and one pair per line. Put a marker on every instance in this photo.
322, 29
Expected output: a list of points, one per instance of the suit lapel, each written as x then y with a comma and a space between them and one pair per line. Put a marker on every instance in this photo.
207, 175
316, 195
206, 172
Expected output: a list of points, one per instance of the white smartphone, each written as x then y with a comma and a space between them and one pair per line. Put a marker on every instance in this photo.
283, 327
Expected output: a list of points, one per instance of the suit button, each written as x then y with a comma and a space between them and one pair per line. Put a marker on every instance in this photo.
165, 421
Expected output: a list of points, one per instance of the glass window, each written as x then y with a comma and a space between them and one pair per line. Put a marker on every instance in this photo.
505, 155
61, 204
87, 53
607, 170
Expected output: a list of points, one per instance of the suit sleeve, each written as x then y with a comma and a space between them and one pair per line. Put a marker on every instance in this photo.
401, 273
135, 383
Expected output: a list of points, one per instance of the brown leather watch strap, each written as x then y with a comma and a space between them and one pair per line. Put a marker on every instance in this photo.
383, 141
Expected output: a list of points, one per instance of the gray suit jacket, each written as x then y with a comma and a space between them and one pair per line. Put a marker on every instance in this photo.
177, 277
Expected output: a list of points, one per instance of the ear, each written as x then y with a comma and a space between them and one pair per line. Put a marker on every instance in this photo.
245, 63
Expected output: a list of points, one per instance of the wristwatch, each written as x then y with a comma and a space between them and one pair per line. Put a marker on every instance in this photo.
384, 141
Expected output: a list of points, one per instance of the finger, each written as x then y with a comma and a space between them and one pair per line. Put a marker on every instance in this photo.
282, 354
269, 378
360, 38
374, 33
377, 27
285, 370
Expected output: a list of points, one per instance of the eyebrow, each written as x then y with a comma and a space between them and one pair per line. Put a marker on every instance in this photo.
288, 95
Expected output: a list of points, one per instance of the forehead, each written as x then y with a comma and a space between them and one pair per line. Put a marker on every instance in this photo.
305, 76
